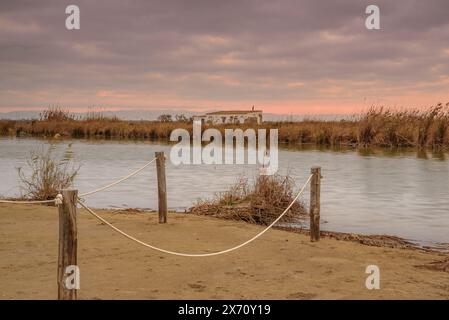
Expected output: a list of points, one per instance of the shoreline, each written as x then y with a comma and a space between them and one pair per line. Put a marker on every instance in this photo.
377, 240
284, 145
279, 265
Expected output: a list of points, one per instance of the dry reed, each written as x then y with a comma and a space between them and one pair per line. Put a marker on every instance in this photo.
260, 201
377, 127
47, 175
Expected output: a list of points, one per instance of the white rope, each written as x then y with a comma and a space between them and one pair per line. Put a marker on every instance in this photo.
57, 201
118, 181
26, 202
198, 254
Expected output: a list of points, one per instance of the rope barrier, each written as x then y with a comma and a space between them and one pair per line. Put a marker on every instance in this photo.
118, 181
58, 199
198, 254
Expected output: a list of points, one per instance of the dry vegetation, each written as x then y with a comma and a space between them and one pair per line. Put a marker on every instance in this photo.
260, 201
428, 128
45, 175
60, 122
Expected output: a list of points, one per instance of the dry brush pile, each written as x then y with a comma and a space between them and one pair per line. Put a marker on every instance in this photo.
259, 201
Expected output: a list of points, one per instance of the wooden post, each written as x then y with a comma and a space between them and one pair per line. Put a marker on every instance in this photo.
67, 242
161, 187
315, 185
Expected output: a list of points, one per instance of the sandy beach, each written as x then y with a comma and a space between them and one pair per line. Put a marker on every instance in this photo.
279, 265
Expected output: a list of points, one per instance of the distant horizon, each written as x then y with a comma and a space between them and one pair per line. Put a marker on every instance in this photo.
152, 114
302, 57
167, 110
210, 109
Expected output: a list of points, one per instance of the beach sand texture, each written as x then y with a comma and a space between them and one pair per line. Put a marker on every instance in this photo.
279, 265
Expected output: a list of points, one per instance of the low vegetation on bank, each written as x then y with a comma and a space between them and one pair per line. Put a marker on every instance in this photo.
259, 201
378, 127
45, 174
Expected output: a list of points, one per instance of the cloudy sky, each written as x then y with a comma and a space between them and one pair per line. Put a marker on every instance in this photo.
301, 56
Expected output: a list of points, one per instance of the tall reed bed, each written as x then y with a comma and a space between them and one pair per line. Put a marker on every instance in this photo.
379, 126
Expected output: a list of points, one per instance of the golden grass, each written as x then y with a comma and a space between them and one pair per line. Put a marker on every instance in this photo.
427, 128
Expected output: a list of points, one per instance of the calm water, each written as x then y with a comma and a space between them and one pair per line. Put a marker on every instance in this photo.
397, 193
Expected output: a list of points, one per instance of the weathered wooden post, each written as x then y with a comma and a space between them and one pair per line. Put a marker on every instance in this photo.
67, 259
315, 185
161, 187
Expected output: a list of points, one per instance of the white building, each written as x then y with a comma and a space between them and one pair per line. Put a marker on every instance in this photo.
230, 117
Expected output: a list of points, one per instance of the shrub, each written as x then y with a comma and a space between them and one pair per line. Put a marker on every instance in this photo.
260, 201
47, 174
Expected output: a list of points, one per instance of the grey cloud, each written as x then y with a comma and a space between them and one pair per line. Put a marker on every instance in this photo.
202, 49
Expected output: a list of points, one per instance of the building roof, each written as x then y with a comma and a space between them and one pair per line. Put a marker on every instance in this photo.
232, 112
